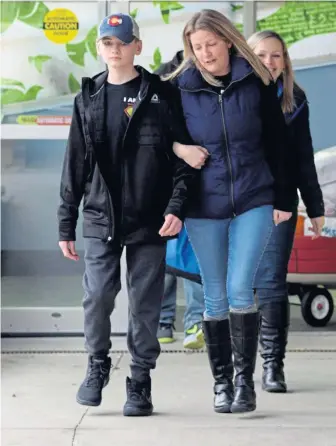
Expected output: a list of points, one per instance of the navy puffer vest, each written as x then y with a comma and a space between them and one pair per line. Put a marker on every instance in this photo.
229, 125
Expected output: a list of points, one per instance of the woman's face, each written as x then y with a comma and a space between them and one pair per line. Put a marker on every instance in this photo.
270, 52
211, 52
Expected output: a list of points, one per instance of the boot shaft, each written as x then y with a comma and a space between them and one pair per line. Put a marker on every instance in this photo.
275, 318
218, 342
244, 336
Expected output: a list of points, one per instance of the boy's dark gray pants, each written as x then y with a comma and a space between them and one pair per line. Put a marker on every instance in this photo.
145, 283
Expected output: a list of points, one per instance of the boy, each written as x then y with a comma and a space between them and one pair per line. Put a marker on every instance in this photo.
119, 157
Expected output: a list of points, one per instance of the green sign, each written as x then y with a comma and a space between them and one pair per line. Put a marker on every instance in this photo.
297, 20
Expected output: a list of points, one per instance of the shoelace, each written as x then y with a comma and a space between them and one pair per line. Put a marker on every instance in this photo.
136, 392
96, 373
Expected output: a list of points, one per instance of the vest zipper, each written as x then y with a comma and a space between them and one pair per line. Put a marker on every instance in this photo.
227, 153
224, 128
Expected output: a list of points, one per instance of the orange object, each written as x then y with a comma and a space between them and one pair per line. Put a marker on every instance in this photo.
299, 231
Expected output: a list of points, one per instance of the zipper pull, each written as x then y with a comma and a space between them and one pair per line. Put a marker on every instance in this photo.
220, 98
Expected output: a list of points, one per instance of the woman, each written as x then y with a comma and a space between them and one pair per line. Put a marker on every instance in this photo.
271, 283
231, 109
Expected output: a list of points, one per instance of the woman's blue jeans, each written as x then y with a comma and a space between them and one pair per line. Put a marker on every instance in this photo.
271, 279
229, 253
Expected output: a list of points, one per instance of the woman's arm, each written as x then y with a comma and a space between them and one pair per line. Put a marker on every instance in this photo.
277, 149
307, 180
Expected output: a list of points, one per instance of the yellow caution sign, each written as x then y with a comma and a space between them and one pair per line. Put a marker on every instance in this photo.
60, 25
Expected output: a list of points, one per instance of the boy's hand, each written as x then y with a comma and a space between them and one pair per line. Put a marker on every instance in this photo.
171, 226
69, 250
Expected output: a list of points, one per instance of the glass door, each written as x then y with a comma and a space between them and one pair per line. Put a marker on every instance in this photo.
54, 46
41, 291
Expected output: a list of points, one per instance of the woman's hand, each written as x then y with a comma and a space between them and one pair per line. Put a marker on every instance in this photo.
317, 226
195, 156
280, 216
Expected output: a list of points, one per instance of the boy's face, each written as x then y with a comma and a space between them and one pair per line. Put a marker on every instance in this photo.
117, 54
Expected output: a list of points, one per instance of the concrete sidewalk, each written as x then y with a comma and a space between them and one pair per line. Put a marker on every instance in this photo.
39, 408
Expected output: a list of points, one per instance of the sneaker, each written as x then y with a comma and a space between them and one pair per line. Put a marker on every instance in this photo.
194, 337
139, 399
165, 334
97, 377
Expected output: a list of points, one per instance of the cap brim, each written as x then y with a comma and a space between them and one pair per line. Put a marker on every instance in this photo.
127, 41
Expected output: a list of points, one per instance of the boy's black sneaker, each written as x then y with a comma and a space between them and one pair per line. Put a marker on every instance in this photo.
139, 399
97, 377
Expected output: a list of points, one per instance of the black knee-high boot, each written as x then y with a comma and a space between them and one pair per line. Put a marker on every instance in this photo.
244, 337
218, 342
274, 326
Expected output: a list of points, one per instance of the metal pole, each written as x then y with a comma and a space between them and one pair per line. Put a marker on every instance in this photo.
250, 18
121, 6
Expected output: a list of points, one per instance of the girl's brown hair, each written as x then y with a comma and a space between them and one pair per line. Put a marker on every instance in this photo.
288, 101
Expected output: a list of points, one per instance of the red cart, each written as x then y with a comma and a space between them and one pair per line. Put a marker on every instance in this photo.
311, 273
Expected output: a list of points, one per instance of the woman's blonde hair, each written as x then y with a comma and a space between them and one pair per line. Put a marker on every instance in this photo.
216, 22
288, 101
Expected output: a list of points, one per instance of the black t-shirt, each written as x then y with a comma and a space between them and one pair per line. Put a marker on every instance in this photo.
120, 100
225, 80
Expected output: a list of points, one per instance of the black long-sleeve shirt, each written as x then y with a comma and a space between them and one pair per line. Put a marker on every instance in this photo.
302, 152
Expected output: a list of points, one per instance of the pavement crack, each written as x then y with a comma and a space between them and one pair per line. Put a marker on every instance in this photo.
73, 441
115, 366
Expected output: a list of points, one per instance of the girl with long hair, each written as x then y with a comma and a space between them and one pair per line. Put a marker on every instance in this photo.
271, 285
